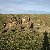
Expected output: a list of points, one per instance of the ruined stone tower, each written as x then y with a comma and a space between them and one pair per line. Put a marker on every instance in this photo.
26, 22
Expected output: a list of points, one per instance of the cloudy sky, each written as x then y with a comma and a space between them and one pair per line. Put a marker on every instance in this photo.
24, 6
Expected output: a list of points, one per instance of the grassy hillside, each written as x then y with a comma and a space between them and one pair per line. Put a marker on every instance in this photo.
17, 39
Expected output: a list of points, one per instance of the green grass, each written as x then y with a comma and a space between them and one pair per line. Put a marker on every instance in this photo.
23, 40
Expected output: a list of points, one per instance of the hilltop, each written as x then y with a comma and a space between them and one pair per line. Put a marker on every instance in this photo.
24, 31
41, 22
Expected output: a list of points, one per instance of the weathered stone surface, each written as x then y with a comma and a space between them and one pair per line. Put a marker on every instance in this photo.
19, 23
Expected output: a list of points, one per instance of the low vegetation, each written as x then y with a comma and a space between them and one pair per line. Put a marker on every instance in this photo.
20, 36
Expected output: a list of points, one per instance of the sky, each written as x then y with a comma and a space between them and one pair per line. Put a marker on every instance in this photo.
24, 6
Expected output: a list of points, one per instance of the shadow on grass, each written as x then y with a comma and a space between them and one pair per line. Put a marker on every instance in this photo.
45, 42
